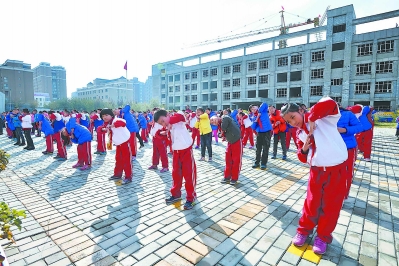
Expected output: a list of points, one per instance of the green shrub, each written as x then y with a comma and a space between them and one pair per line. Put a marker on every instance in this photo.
3, 160
8, 218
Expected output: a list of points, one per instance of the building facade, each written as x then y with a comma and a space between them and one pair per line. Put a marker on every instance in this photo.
351, 68
16, 82
115, 91
42, 99
50, 79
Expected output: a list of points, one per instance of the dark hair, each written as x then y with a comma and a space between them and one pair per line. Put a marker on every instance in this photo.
159, 113
288, 108
228, 110
242, 113
65, 139
209, 109
201, 110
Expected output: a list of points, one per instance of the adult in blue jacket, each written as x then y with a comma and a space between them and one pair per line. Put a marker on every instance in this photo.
348, 125
81, 136
132, 126
45, 127
233, 115
10, 126
18, 128
263, 128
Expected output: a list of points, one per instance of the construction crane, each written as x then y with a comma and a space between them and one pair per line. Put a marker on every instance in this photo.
319, 35
282, 28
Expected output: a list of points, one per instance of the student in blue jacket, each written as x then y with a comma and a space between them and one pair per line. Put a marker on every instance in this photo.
143, 126
348, 125
81, 136
213, 127
263, 128
45, 127
132, 126
10, 127
16, 120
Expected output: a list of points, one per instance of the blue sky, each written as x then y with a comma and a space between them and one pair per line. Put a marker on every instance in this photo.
93, 38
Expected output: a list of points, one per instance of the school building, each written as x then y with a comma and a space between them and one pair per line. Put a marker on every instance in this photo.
351, 68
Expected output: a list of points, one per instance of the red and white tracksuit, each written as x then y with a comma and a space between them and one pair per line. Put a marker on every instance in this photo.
133, 143
159, 143
61, 150
183, 160
143, 134
101, 145
291, 133
50, 143
123, 155
350, 164
327, 184
233, 160
84, 153
248, 132
364, 141
195, 133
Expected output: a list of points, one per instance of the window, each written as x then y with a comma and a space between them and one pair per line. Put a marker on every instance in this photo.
338, 46
170, 78
226, 83
226, 96
170, 89
177, 77
264, 79
296, 59
362, 88
163, 96
177, 99
282, 61
205, 85
263, 64
252, 66
384, 67
385, 47
317, 73
251, 94
236, 82
282, 77
163, 86
382, 105
194, 98
186, 76
194, 75
263, 93
214, 84
365, 49
336, 82
339, 28
337, 64
316, 90
318, 56
383, 87
214, 72
205, 97
251, 80
214, 97
226, 70
236, 68
281, 93
162, 78
186, 87
337, 99
205, 73
177, 88
363, 69
236, 95
295, 92
194, 87
296, 76
187, 98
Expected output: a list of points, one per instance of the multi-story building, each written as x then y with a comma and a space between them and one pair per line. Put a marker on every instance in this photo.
16, 82
138, 90
51, 80
42, 99
351, 68
142, 90
115, 91
147, 90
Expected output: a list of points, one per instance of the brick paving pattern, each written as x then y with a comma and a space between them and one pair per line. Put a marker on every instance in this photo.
82, 218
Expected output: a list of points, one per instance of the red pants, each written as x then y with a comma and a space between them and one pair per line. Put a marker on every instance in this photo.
84, 153
248, 134
101, 146
350, 163
364, 140
123, 160
291, 134
159, 151
195, 134
242, 130
133, 143
149, 126
91, 128
184, 167
143, 134
325, 194
233, 160
9, 132
49, 143
61, 150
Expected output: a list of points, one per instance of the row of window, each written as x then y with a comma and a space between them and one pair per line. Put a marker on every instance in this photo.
380, 87
382, 47
91, 92
381, 67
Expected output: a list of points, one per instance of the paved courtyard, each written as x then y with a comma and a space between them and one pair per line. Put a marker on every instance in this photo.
82, 218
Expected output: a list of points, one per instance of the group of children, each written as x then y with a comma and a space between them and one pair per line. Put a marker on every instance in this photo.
328, 138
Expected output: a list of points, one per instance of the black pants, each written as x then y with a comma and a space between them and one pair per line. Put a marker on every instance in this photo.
280, 136
206, 143
28, 137
19, 136
139, 138
262, 147
1, 126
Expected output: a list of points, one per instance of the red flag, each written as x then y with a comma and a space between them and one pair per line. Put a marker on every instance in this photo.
282, 7
125, 67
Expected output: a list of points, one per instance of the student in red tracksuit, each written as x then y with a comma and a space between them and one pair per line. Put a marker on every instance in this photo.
290, 133
322, 147
233, 157
240, 120
195, 133
120, 136
58, 125
183, 160
364, 139
159, 142
248, 132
